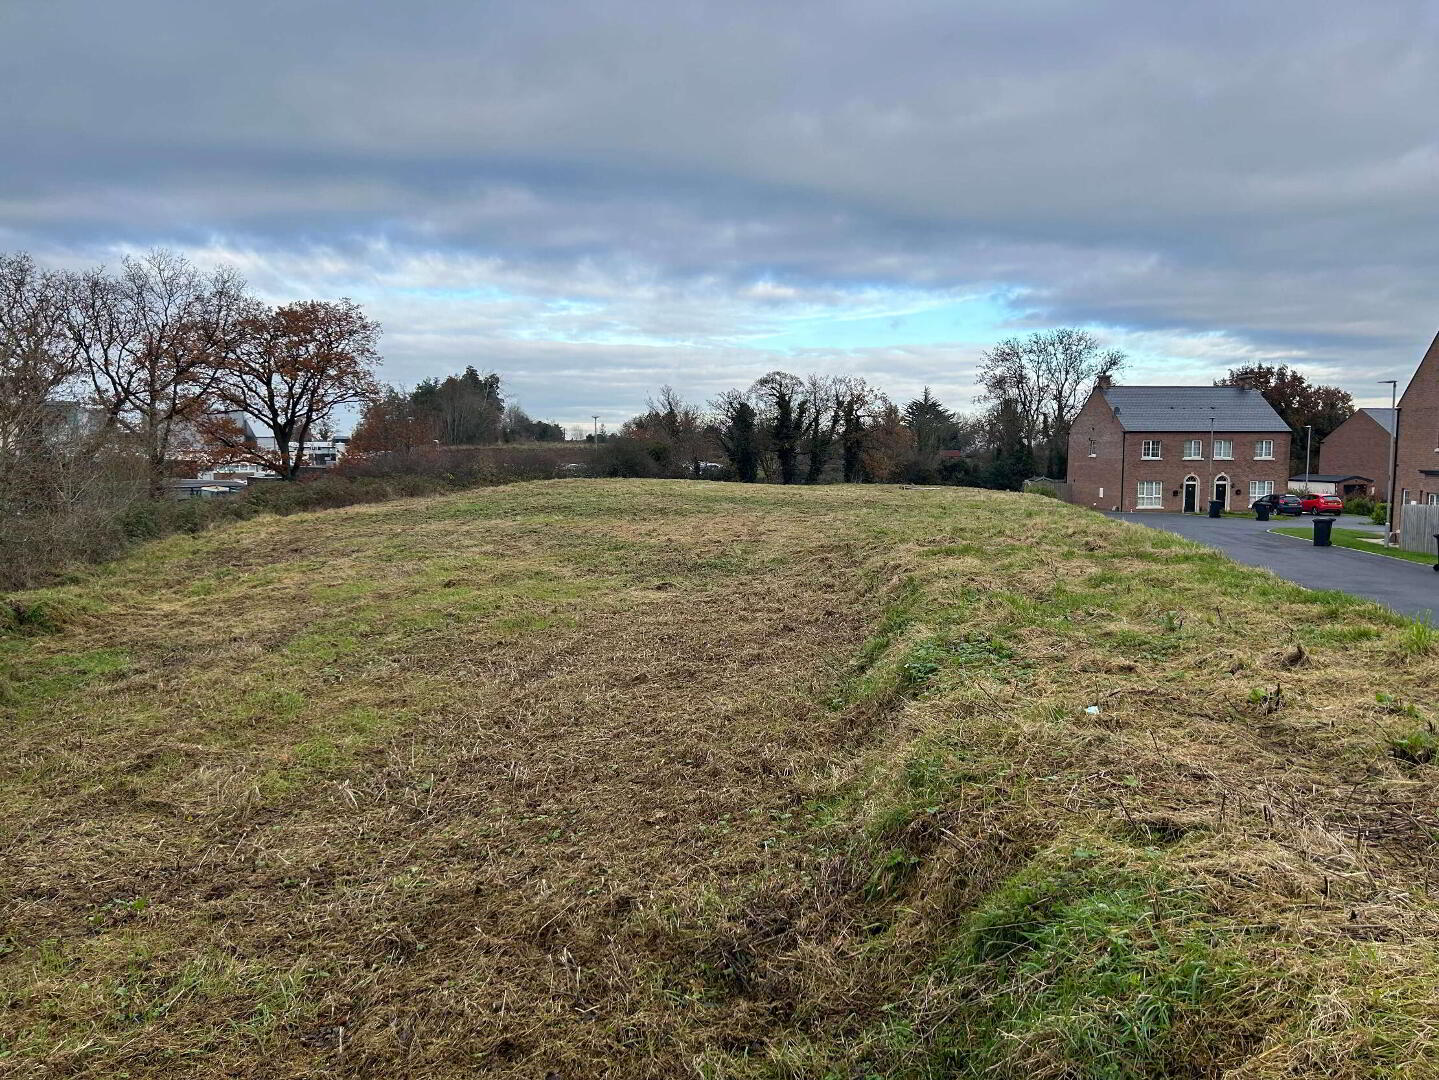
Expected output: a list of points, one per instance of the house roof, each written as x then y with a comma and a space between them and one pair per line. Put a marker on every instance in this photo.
1383, 417
1189, 408
1328, 478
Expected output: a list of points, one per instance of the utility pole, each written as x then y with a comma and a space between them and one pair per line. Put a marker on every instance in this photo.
597, 431
1393, 438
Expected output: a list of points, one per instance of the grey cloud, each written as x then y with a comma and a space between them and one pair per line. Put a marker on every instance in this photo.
1268, 173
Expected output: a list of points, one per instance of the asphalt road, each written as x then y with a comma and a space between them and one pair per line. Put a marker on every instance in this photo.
1409, 588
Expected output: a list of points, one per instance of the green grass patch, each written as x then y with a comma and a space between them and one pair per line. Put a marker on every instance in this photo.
1358, 540
1090, 962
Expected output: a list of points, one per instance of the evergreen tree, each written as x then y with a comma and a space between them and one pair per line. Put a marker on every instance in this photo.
931, 423
1013, 461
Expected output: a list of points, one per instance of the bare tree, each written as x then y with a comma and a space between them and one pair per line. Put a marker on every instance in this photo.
38, 358
683, 426
821, 429
785, 412
62, 488
856, 405
1043, 379
152, 339
290, 368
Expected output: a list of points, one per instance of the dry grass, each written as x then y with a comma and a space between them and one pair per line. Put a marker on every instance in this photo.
580, 779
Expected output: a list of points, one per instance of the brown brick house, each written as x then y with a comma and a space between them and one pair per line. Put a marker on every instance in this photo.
1416, 468
1360, 447
1175, 447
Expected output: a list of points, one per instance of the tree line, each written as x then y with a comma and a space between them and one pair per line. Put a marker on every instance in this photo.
789, 429
467, 409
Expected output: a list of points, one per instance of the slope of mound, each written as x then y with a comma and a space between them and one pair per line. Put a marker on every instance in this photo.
654, 779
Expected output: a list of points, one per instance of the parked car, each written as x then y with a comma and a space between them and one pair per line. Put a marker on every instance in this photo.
1322, 504
1280, 503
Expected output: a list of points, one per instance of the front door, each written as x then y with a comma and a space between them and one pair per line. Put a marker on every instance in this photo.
1221, 493
1191, 496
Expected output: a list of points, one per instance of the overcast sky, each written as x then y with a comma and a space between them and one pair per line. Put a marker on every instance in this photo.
596, 198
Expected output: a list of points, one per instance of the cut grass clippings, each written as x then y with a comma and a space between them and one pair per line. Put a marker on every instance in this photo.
654, 778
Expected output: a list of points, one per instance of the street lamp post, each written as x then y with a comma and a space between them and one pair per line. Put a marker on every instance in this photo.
1308, 442
597, 431
1393, 438
1213, 465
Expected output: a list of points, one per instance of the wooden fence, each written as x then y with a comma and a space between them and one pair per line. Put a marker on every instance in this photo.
1417, 526
1043, 485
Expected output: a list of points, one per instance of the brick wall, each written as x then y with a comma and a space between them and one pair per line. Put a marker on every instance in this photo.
1173, 469
1095, 451
1418, 447
1359, 447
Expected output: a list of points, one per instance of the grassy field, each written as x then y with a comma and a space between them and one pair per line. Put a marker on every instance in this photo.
663, 779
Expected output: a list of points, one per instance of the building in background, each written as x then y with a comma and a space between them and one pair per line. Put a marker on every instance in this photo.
1332, 484
1175, 448
1416, 469
1360, 447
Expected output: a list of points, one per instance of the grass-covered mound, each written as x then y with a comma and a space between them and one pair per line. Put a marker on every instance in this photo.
655, 779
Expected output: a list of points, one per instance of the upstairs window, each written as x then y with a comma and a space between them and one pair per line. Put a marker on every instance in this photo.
1193, 449
1223, 449
1264, 450
1150, 450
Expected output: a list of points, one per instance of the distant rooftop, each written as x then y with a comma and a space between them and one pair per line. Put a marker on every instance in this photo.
1327, 478
1191, 408
1383, 417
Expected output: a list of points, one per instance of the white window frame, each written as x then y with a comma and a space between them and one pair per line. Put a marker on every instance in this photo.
1197, 445
1259, 446
1260, 488
1145, 455
1151, 500
1228, 454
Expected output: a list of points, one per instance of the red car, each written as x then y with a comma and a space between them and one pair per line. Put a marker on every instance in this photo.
1322, 504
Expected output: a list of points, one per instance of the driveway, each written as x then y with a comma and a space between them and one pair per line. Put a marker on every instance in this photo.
1409, 588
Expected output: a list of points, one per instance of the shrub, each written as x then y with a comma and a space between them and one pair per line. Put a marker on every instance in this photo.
630, 457
1363, 505
1381, 513
35, 546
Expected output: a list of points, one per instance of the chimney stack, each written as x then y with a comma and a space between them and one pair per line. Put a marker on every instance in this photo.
1104, 382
